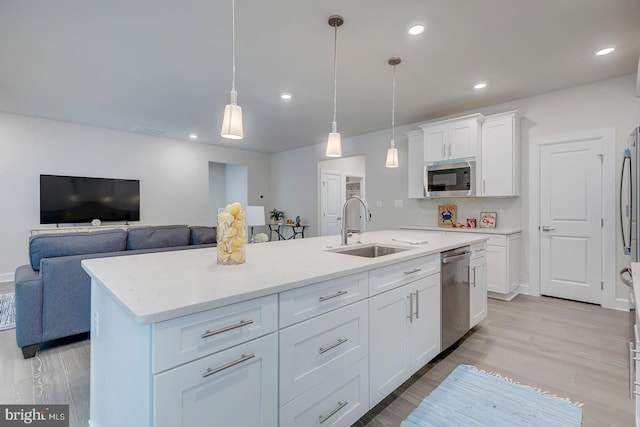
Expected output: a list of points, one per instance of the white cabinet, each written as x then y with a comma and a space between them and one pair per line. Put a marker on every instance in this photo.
477, 284
500, 156
457, 138
503, 266
405, 326
216, 388
415, 164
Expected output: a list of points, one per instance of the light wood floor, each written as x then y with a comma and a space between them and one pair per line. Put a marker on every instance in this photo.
573, 350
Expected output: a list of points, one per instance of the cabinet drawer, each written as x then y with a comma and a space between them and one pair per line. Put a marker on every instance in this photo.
389, 277
190, 337
312, 351
497, 240
478, 250
304, 303
339, 401
234, 387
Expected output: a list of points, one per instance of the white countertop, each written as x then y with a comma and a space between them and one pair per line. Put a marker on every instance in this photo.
500, 230
160, 286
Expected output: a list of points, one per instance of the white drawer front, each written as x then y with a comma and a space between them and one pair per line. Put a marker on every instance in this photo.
304, 303
232, 388
478, 250
497, 240
315, 349
339, 401
190, 337
389, 277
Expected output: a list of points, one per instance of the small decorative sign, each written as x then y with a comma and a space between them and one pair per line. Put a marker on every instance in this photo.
471, 223
488, 219
447, 215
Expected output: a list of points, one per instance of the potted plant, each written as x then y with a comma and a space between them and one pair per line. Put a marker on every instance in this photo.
276, 215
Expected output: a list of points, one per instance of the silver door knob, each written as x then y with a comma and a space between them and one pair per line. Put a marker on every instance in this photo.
547, 228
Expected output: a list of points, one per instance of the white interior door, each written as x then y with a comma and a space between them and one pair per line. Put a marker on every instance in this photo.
571, 220
331, 202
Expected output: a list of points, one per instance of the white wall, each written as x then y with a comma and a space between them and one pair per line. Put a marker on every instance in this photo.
217, 189
174, 175
609, 103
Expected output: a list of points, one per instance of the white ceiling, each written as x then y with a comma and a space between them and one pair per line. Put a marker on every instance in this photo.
166, 64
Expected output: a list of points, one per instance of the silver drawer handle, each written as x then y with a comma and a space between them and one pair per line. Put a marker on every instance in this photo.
481, 250
415, 270
244, 358
323, 418
336, 295
417, 304
334, 345
226, 328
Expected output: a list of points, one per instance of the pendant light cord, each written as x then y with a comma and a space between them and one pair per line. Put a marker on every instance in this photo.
335, 73
393, 110
233, 52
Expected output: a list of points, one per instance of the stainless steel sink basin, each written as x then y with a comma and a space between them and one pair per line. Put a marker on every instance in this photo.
369, 251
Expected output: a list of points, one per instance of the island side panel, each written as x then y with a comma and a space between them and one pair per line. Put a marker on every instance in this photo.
121, 380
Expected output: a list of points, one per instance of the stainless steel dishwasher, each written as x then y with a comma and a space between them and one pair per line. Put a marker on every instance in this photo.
454, 295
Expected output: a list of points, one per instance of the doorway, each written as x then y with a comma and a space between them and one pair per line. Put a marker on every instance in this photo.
572, 223
228, 183
338, 180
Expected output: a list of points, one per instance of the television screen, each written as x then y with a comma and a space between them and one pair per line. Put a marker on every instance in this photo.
74, 199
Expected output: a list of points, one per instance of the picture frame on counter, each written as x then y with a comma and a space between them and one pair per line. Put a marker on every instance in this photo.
488, 219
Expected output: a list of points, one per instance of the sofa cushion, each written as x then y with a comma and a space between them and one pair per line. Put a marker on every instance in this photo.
163, 236
65, 244
202, 235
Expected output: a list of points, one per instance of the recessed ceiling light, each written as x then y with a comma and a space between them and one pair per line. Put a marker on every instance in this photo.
605, 51
286, 96
193, 136
480, 85
416, 29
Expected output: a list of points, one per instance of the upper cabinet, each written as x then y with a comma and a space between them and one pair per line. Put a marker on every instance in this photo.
451, 139
500, 156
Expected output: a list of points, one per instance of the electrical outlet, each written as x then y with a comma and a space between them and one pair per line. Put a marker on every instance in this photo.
398, 203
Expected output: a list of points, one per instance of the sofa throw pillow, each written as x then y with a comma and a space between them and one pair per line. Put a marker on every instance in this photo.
80, 243
202, 235
164, 236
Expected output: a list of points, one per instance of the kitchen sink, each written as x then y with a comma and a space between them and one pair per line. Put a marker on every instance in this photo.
369, 251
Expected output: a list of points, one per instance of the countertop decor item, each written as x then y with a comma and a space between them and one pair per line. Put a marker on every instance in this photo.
447, 215
471, 223
231, 234
488, 219
469, 396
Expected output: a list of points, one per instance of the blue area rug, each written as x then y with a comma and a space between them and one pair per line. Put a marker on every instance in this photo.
470, 397
7, 311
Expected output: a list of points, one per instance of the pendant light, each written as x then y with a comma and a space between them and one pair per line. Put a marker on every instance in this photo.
232, 120
392, 152
334, 143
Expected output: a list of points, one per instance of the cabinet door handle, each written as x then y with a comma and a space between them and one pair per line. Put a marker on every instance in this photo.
226, 328
323, 418
410, 316
474, 277
336, 295
340, 341
417, 305
243, 358
415, 270
632, 369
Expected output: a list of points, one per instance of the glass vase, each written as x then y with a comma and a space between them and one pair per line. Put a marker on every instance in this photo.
231, 235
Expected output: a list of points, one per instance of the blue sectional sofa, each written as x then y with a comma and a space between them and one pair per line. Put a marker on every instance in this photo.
53, 292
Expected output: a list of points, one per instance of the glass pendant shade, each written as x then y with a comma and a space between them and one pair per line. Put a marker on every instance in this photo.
232, 122
334, 145
392, 158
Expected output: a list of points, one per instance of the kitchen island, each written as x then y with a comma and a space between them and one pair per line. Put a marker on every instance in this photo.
291, 337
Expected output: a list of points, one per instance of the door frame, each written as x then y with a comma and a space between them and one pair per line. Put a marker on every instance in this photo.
343, 187
607, 136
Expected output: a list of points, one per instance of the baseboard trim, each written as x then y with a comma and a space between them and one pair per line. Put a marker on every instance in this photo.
7, 277
525, 289
504, 297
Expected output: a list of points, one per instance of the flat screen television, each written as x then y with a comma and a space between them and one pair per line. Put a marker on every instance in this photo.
76, 199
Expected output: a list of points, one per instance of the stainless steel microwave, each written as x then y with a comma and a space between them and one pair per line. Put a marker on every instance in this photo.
450, 179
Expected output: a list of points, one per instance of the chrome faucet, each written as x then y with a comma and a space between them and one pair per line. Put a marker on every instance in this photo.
367, 216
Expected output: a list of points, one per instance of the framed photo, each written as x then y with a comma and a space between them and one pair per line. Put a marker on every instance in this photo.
488, 219
471, 223
447, 215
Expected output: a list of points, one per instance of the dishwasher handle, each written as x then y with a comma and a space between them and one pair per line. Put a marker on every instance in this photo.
453, 258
